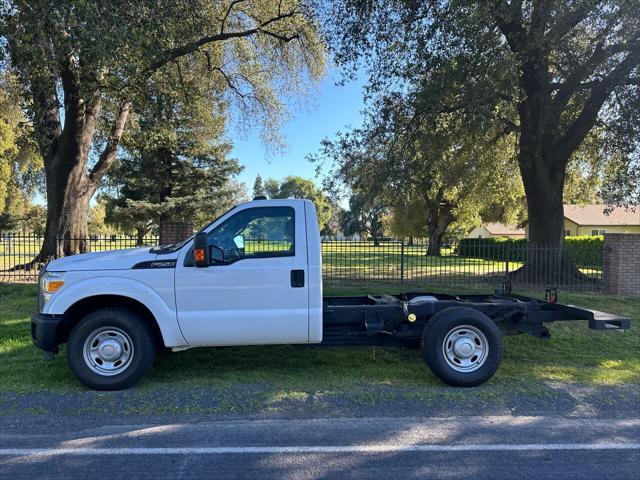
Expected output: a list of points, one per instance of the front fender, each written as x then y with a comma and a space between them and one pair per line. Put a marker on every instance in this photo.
125, 287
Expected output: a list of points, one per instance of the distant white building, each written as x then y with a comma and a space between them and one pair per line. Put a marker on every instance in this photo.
496, 230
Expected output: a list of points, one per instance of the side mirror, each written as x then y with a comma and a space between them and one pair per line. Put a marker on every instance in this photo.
217, 254
201, 250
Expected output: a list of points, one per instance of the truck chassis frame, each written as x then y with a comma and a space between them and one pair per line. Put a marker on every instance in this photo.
398, 320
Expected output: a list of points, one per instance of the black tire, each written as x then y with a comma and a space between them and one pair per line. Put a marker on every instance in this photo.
435, 333
143, 348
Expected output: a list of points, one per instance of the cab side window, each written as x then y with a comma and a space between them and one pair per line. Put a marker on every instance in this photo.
261, 232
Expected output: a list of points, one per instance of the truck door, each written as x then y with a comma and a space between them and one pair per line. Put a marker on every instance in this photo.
255, 291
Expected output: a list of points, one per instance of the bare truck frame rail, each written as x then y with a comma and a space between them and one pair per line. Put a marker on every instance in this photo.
460, 335
398, 319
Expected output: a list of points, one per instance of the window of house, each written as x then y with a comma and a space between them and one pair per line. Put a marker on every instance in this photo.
261, 232
567, 233
598, 231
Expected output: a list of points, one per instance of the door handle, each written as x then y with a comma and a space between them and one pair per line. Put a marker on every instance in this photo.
297, 278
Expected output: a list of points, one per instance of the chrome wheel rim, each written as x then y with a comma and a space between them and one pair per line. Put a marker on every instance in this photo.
108, 351
465, 348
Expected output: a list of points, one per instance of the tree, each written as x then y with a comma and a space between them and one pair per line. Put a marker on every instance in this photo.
84, 62
407, 219
431, 177
35, 218
97, 221
298, 187
272, 188
258, 187
365, 216
20, 165
332, 226
175, 165
548, 71
8, 222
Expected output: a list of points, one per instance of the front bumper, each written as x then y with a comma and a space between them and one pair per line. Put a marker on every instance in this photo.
46, 331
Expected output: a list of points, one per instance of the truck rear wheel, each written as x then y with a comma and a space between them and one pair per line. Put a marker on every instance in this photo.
462, 346
110, 349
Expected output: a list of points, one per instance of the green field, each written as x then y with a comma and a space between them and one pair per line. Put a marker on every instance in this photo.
574, 355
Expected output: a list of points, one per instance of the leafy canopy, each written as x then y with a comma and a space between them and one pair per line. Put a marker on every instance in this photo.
556, 74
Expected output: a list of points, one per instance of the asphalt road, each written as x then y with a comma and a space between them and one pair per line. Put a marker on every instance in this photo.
459, 447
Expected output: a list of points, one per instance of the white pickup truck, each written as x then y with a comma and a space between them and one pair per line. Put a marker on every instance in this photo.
254, 277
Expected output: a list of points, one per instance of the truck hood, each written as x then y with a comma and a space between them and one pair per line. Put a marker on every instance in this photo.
108, 260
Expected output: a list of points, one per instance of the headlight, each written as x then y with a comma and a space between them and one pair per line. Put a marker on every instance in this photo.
50, 283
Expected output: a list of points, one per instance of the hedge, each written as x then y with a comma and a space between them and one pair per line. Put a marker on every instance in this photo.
586, 251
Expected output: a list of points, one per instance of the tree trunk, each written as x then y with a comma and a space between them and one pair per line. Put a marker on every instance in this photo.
439, 219
68, 199
547, 261
542, 167
544, 191
70, 185
435, 243
68, 191
140, 233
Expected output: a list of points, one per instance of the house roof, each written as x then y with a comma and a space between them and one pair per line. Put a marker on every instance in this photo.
596, 215
502, 229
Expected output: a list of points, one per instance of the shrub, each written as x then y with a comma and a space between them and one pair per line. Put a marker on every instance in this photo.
585, 251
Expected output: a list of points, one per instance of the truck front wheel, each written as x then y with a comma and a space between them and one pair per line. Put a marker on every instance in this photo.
110, 349
462, 346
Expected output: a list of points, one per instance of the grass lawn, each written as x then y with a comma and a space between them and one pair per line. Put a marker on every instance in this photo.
574, 355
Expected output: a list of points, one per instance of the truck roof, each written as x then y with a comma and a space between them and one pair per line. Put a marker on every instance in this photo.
276, 201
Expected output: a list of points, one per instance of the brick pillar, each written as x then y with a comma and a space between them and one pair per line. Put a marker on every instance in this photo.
174, 232
621, 268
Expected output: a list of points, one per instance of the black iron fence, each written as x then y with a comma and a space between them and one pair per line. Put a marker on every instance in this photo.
17, 252
389, 263
476, 264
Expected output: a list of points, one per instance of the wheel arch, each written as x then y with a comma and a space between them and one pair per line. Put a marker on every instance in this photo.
80, 309
91, 292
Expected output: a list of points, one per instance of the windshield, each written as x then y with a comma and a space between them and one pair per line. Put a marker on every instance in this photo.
173, 247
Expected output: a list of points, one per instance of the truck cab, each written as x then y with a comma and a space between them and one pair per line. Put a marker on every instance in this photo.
261, 280
253, 276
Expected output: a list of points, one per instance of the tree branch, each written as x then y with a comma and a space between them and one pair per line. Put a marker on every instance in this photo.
282, 38
572, 84
569, 21
192, 47
230, 84
108, 155
511, 24
48, 122
581, 126
539, 20
42, 88
226, 15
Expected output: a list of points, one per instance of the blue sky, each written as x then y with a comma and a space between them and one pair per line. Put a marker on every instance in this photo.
334, 108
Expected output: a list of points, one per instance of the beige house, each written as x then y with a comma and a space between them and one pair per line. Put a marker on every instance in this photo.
496, 230
594, 220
